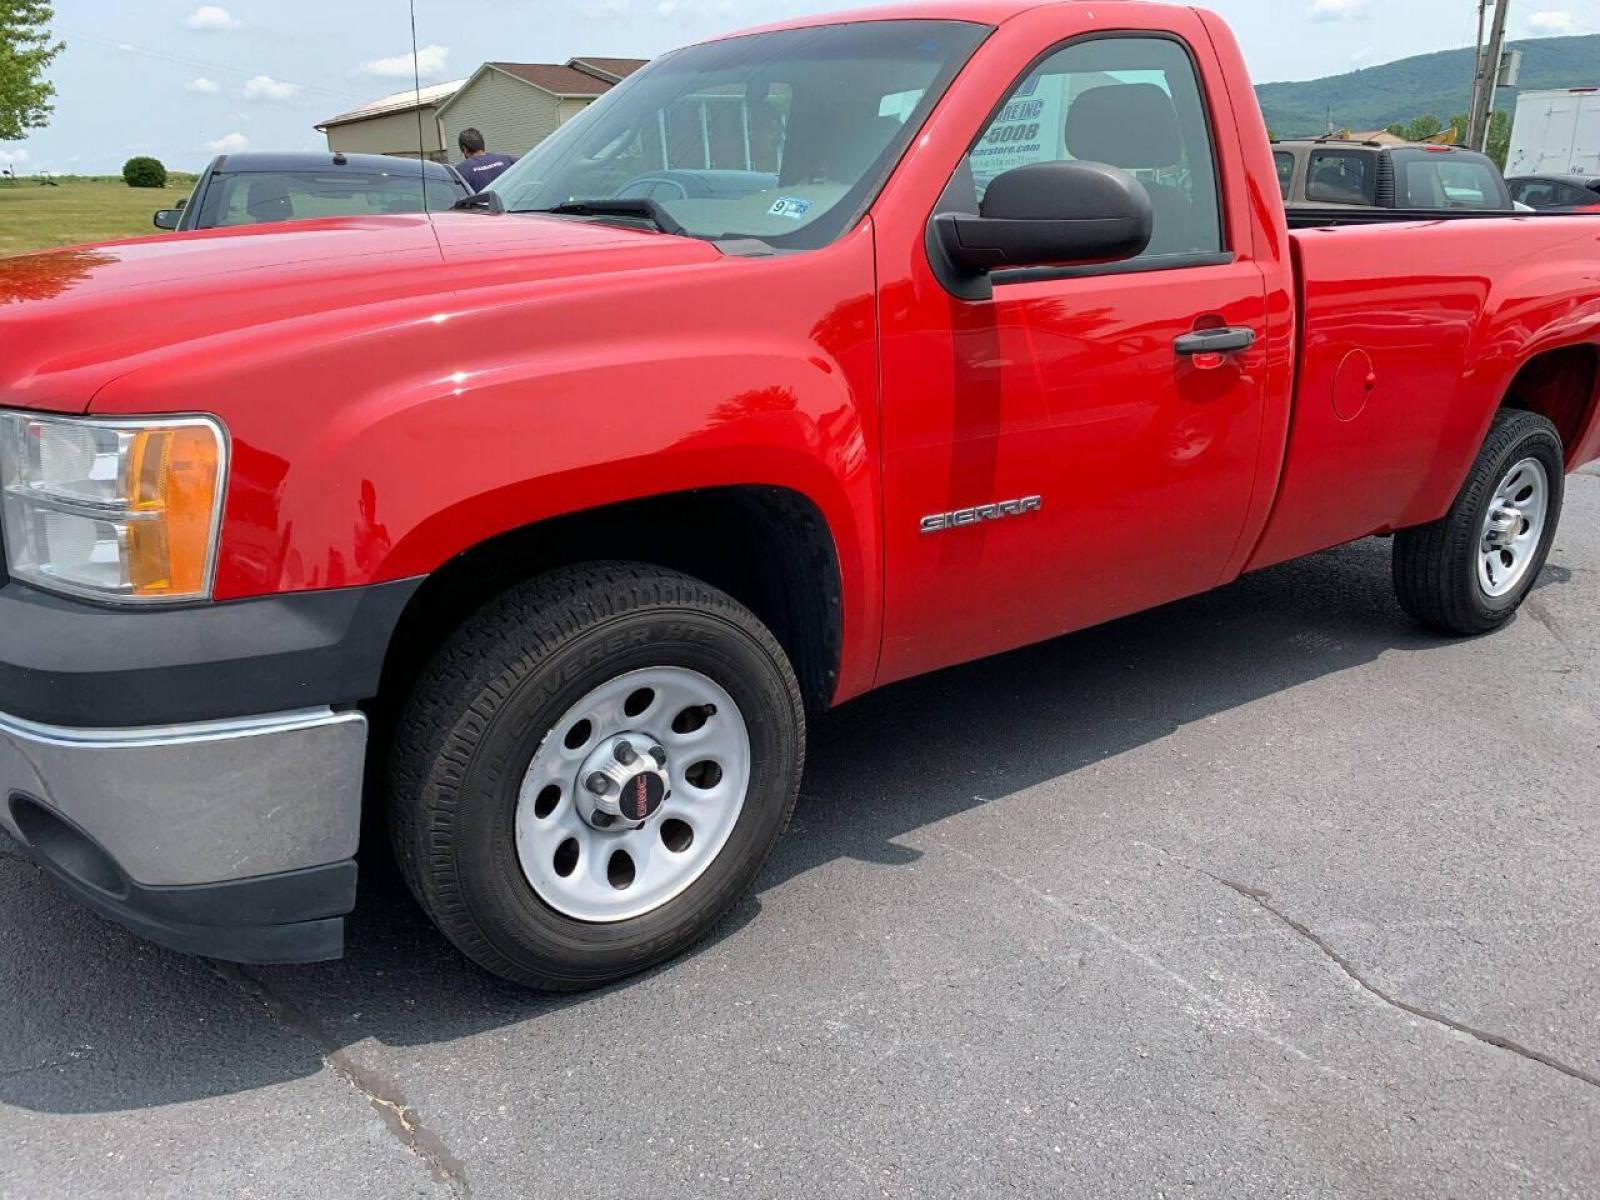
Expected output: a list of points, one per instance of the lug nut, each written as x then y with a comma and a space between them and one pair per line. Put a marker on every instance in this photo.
602, 820
596, 783
660, 755
626, 754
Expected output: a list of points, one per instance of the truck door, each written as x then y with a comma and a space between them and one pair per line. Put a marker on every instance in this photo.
1057, 455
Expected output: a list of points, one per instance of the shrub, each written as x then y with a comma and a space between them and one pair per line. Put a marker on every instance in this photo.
144, 172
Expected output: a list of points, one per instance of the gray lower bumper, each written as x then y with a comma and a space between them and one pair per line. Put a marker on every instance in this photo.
233, 839
198, 803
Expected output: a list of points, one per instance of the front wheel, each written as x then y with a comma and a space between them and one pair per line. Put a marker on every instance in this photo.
1470, 571
592, 771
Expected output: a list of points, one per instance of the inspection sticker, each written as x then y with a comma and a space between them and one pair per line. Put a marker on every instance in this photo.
790, 206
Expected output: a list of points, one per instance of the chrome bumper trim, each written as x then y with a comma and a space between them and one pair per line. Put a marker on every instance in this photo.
173, 735
197, 803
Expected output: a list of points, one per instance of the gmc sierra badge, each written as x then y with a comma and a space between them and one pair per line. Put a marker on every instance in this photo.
939, 522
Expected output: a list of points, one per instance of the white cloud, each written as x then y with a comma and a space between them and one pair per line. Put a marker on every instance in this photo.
605, 9
231, 143
211, 18
125, 47
202, 85
14, 158
432, 62
1341, 10
1362, 56
265, 87
1555, 21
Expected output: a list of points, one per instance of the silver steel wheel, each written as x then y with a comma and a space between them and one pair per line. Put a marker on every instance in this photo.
1513, 528
633, 794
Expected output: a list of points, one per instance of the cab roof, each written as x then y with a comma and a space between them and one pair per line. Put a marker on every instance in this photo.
978, 12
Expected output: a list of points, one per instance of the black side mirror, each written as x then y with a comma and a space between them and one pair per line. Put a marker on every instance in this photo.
167, 218
1050, 214
481, 201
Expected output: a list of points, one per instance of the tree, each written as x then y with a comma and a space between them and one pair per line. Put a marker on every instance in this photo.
1419, 130
144, 172
1499, 146
26, 50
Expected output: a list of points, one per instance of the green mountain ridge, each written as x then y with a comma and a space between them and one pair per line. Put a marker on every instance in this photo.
1439, 84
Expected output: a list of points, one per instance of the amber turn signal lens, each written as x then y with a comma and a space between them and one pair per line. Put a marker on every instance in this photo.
173, 476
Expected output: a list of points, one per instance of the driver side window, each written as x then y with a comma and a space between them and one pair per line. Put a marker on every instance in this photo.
1132, 103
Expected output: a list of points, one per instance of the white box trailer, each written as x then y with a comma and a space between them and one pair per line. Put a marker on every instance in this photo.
1556, 133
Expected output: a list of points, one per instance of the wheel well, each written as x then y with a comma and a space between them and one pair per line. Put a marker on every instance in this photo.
1560, 385
767, 547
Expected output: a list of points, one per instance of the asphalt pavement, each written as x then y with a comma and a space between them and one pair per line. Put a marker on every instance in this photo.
1267, 893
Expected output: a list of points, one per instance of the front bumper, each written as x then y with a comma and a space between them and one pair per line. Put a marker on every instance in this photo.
234, 839
196, 773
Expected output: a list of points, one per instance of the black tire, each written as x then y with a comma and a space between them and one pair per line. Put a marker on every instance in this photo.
1436, 566
484, 704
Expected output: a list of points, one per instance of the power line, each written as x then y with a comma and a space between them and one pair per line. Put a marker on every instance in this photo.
196, 63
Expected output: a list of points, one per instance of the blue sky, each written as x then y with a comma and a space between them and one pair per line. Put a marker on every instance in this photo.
181, 80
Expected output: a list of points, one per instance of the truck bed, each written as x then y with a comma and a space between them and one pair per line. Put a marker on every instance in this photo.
1326, 218
1411, 336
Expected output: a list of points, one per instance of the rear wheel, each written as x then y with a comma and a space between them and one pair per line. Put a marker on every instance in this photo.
1470, 571
592, 771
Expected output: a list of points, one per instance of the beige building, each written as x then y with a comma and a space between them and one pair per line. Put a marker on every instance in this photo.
515, 106
389, 124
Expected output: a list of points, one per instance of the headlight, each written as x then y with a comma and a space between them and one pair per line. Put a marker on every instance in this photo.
117, 510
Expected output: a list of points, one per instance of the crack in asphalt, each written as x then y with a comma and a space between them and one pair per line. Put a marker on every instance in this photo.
1261, 898
10, 849
1536, 608
1144, 955
385, 1098
67, 1060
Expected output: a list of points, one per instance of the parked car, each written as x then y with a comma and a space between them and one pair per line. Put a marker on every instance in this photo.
1557, 193
544, 532
259, 188
1331, 174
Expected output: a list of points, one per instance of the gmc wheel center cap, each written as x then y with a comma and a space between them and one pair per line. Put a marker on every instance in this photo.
623, 782
641, 796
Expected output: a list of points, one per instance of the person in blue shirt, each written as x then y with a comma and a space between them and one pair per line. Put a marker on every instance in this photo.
478, 167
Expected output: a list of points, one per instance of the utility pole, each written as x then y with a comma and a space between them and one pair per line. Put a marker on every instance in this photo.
1477, 69
1487, 78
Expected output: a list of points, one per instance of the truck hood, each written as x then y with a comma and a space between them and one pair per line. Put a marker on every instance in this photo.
72, 320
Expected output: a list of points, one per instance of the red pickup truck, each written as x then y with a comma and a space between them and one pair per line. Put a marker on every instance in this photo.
804, 361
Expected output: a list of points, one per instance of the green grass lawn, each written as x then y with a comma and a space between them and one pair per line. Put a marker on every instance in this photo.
79, 210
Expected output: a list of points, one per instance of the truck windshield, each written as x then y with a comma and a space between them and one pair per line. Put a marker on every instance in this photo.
784, 137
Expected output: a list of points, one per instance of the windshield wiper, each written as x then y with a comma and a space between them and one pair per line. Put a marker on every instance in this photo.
648, 210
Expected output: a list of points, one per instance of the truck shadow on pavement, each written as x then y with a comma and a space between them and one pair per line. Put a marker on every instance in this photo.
98, 1021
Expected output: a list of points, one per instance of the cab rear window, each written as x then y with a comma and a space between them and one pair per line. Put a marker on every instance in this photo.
1437, 181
